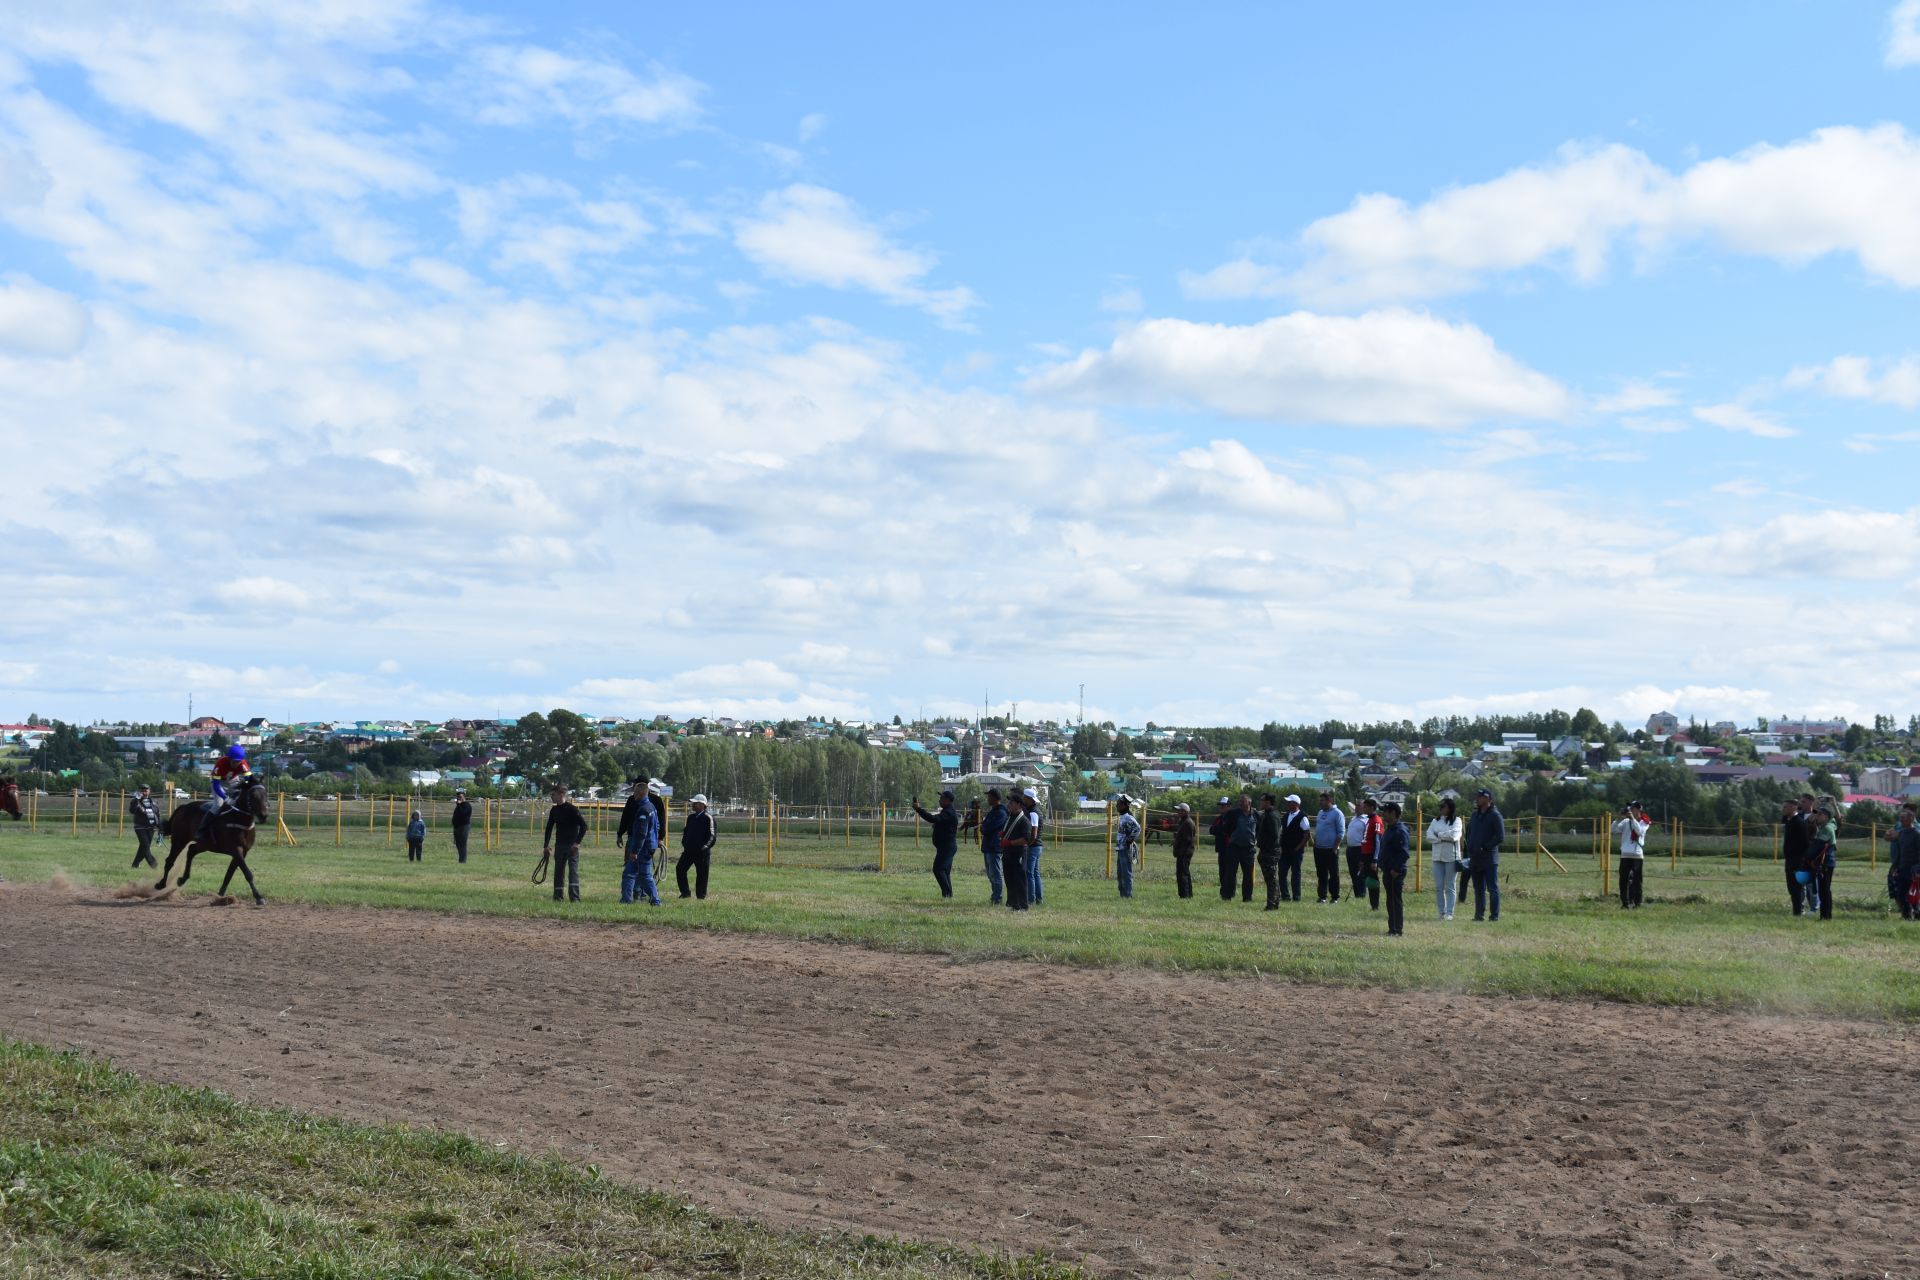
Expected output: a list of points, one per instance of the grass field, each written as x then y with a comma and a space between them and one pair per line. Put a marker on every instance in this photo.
1709, 935
103, 1175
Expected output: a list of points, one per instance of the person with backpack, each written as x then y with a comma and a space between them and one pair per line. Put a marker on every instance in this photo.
698, 833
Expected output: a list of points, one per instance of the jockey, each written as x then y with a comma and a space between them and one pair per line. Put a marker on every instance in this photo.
232, 766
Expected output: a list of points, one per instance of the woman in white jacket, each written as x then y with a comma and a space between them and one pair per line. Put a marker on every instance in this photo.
1444, 834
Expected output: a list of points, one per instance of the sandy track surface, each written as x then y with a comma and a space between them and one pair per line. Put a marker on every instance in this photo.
1143, 1123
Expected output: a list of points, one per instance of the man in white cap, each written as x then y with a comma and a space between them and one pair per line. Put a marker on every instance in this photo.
1036, 820
1295, 830
697, 834
1126, 843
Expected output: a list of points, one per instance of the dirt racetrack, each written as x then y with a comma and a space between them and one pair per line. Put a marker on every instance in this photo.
1145, 1123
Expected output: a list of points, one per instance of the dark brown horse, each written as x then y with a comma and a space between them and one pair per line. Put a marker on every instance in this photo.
10, 798
233, 833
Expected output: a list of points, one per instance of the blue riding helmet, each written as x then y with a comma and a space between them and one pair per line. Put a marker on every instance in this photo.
236, 752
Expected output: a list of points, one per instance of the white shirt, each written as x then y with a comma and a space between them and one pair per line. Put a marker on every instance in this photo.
1633, 836
1445, 835
1356, 831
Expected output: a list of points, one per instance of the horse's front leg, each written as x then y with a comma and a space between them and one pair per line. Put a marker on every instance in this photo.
247, 871
173, 855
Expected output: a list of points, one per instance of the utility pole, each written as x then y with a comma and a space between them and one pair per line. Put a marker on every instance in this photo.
1083, 705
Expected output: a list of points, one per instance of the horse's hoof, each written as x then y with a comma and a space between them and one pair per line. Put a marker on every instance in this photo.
158, 887
259, 901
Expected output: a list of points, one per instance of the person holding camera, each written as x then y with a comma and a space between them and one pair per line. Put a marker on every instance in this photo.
946, 840
146, 821
1632, 831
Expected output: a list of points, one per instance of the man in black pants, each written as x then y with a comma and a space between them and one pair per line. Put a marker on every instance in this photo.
1266, 839
1390, 861
697, 834
1295, 831
946, 840
565, 830
1186, 834
1221, 830
146, 821
1013, 852
462, 823
1796, 837
1243, 843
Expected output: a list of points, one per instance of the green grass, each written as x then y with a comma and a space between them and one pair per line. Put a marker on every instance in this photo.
103, 1175
1709, 935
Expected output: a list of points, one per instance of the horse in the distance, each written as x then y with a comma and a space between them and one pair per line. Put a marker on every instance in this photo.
232, 835
10, 798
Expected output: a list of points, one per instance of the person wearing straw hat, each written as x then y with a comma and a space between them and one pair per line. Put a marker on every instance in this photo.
698, 832
462, 822
1126, 843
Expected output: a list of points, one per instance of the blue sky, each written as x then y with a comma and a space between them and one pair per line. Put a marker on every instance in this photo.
389, 357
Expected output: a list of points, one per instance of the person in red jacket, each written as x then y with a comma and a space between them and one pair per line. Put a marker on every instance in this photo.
231, 767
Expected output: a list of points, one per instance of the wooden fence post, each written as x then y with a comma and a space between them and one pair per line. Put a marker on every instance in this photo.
883, 836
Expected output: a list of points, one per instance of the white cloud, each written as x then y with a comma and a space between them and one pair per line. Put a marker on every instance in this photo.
811, 126
38, 321
1867, 545
1635, 396
1841, 190
1399, 368
1857, 378
271, 594
810, 235
1737, 417
526, 84
1903, 34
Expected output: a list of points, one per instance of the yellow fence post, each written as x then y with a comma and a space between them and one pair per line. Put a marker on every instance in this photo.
846, 812
121, 828
339, 812
1539, 845
1606, 851
769, 832
390, 819
1109, 839
883, 837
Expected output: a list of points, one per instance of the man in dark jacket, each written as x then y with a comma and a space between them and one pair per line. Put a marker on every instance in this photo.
993, 824
697, 835
564, 832
946, 840
1391, 859
1903, 861
1796, 837
1266, 838
1221, 830
462, 823
1186, 834
1486, 831
146, 821
1243, 844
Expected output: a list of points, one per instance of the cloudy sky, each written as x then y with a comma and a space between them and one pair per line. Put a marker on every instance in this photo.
391, 357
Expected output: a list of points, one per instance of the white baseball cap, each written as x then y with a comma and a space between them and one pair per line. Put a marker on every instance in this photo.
698, 800
1293, 799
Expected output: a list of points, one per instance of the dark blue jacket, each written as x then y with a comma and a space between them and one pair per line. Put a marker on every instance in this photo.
991, 825
1244, 832
946, 827
1486, 832
1391, 855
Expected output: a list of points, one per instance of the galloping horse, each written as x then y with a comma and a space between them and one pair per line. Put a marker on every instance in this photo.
10, 798
233, 833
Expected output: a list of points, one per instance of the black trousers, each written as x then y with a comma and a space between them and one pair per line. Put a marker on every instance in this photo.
1236, 866
1290, 863
566, 871
1356, 870
1796, 890
1632, 875
1825, 876
1013, 870
1183, 874
145, 852
1394, 882
1269, 860
696, 861
460, 842
943, 871
414, 853
1326, 871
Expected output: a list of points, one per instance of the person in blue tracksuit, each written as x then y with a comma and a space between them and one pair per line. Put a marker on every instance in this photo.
643, 840
1486, 831
1126, 844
